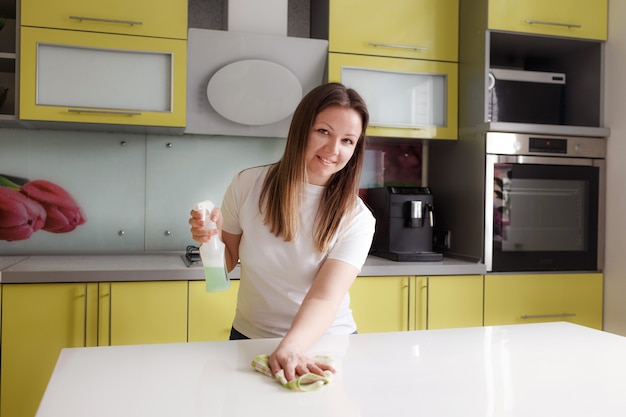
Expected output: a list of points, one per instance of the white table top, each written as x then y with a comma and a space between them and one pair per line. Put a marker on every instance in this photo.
551, 369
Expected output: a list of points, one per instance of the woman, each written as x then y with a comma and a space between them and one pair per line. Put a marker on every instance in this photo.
300, 231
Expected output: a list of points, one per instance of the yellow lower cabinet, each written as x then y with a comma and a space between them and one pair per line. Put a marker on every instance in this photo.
381, 304
38, 320
535, 298
211, 314
142, 312
455, 301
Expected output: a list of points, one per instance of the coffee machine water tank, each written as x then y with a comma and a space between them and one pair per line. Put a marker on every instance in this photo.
404, 223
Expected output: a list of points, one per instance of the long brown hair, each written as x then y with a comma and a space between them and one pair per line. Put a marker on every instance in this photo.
282, 190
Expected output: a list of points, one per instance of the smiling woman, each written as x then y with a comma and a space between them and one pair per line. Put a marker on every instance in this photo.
300, 231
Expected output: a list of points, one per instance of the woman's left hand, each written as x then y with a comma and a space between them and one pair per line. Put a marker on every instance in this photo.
295, 364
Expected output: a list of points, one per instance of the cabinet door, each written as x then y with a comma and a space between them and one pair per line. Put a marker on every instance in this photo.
38, 320
381, 304
100, 78
571, 18
143, 312
7, 66
159, 18
515, 299
422, 29
455, 301
406, 98
211, 313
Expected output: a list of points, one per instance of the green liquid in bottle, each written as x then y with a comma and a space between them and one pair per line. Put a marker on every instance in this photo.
216, 278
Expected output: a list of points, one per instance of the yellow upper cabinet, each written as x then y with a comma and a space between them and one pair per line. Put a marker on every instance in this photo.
570, 18
88, 77
421, 29
157, 18
406, 98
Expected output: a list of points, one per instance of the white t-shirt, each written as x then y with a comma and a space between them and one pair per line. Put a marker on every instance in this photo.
276, 275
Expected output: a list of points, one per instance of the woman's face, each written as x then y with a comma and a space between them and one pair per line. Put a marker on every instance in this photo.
332, 141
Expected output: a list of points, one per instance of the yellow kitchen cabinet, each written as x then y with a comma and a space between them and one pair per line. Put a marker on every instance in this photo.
211, 313
142, 312
569, 18
158, 18
38, 320
421, 29
455, 301
7, 66
534, 298
406, 98
95, 78
387, 303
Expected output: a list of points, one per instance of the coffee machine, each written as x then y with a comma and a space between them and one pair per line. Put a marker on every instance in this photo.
404, 223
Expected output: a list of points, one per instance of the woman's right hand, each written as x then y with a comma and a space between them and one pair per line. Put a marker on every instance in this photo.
198, 231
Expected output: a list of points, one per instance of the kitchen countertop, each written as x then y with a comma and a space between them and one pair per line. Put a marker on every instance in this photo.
527, 370
159, 267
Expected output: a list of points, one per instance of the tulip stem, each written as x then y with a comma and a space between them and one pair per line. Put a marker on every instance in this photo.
5, 182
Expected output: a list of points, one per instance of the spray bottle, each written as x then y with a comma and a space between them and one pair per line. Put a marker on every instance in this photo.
212, 253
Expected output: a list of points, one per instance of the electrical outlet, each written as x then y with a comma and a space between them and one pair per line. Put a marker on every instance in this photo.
441, 239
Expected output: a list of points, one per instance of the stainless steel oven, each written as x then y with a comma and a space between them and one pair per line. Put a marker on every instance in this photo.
545, 200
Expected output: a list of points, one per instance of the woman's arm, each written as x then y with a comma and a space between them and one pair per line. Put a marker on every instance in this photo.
232, 249
316, 314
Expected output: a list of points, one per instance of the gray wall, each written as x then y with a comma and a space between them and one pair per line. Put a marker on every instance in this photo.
615, 102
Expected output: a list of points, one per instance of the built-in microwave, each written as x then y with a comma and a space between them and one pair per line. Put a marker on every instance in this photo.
518, 96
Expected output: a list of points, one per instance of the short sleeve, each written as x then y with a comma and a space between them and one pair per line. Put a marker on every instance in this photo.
355, 238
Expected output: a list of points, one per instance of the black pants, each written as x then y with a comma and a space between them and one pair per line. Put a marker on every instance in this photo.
235, 335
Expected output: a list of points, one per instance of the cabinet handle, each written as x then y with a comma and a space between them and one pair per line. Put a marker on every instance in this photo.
97, 19
390, 45
118, 113
547, 316
539, 22
398, 126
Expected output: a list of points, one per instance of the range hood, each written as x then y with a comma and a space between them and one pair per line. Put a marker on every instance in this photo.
248, 84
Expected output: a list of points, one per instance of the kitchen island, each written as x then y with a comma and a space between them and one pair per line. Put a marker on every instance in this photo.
531, 370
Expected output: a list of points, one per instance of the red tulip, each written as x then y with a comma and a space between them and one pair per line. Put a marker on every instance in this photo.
64, 214
20, 216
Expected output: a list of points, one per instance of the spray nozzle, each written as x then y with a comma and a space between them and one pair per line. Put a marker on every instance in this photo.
206, 207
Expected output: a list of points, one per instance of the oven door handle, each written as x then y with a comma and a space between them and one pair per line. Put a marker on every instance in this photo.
553, 160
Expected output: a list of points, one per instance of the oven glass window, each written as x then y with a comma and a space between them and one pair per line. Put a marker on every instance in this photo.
547, 212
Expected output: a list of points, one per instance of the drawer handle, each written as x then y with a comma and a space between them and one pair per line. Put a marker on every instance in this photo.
390, 45
113, 112
97, 19
547, 316
539, 22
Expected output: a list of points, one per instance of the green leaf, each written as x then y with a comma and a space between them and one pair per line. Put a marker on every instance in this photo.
5, 182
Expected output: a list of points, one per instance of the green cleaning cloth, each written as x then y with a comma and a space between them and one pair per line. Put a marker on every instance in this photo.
306, 382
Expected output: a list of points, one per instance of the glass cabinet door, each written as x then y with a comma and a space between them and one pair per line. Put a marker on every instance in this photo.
98, 78
405, 98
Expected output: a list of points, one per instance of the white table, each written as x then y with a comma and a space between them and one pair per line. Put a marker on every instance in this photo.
551, 369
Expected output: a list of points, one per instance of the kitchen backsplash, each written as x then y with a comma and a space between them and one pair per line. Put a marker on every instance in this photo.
133, 192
